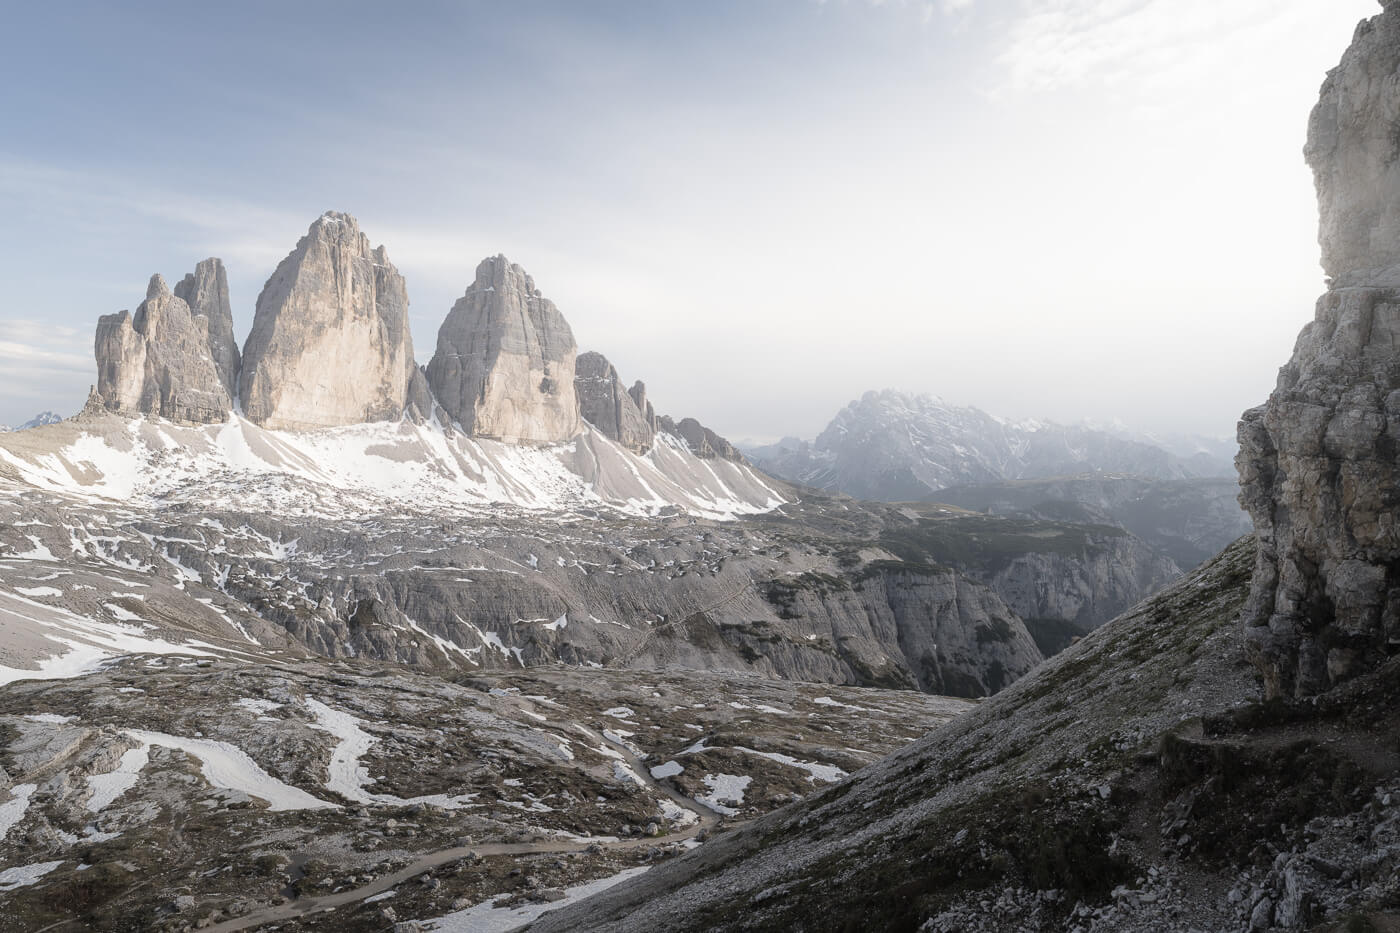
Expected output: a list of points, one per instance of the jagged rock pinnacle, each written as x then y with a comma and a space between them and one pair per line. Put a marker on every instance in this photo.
1318, 466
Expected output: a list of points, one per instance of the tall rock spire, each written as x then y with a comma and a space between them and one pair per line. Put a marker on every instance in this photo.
1319, 463
157, 361
206, 292
330, 342
504, 366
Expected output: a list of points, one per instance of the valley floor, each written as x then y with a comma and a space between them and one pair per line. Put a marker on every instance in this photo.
176, 792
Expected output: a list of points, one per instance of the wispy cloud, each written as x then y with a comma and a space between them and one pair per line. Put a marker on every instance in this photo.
45, 366
1059, 43
242, 227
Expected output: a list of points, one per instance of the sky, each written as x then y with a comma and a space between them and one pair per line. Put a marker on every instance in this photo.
1063, 209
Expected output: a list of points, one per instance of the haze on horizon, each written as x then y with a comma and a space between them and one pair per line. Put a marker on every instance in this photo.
1067, 209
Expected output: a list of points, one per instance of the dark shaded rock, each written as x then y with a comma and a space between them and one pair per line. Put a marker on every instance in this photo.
607, 405
1319, 463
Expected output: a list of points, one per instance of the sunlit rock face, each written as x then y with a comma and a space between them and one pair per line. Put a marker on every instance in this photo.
504, 366
206, 292
157, 361
330, 342
606, 403
1319, 463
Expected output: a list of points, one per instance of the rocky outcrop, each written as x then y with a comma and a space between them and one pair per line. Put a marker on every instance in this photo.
1356, 166
638, 392
157, 362
606, 403
206, 292
330, 343
1318, 462
504, 366
703, 442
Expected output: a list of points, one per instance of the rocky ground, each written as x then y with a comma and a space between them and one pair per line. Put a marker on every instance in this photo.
171, 792
821, 590
1135, 782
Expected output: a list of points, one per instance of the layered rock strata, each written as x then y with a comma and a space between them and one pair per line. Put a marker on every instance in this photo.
330, 342
206, 292
504, 365
157, 361
1320, 461
605, 403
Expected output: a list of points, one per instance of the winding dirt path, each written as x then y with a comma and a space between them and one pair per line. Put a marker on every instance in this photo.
303, 906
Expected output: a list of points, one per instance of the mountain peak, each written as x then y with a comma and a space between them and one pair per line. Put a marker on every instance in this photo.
157, 288
330, 343
505, 360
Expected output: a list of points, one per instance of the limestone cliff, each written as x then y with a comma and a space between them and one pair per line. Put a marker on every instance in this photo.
330, 343
504, 365
607, 404
157, 361
1318, 463
206, 292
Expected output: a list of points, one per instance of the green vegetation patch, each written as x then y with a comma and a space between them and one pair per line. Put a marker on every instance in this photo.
991, 543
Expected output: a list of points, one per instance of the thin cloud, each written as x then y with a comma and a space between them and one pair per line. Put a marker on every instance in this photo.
1067, 43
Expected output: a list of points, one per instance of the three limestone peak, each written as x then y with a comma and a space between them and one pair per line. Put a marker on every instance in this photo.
330, 345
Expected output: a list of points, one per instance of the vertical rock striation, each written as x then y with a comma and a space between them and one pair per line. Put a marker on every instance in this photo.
330, 342
206, 292
606, 403
504, 365
1319, 463
638, 392
157, 362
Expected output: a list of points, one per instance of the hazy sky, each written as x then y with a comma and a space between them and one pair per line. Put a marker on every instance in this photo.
1058, 208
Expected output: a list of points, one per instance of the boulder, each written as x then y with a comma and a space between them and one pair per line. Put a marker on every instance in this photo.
157, 362
330, 342
504, 365
606, 404
1319, 463
206, 292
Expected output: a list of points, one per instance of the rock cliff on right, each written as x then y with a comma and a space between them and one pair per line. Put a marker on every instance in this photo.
1319, 463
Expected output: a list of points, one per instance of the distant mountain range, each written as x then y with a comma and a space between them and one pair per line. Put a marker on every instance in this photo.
895, 446
38, 421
